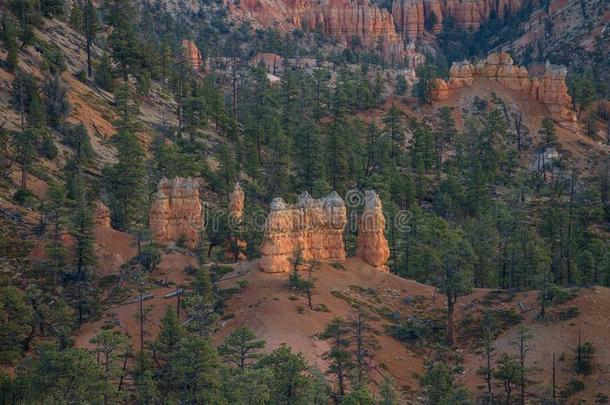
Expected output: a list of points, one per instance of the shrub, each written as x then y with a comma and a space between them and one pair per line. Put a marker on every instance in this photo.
48, 148
572, 388
53, 59
584, 358
411, 331
23, 196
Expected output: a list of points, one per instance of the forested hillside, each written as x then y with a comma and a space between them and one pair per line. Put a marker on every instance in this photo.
495, 209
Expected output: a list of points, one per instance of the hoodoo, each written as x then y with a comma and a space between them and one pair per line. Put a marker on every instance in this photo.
313, 227
371, 245
177, 212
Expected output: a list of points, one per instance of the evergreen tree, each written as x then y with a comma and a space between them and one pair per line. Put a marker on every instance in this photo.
165, 348
56, 101
426, 75
340, 359
198, 371
126, 181
240, 347
440, 388
393, 128
547, 132
83, 233
454, 274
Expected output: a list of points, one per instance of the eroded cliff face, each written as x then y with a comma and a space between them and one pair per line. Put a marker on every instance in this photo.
550, 90
312, 226
177, 212
371, 244
361, 22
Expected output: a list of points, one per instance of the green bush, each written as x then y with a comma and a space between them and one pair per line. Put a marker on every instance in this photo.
411, 331
48, 148
572, 388
23, 196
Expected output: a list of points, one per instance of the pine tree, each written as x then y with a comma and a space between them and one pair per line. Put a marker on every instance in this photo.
454, 273
394, 131
426, 74
84, 255
445, 133
198, 371
24, 144
56, 101
547, 132
241, 347
340, 359
126, 181
8, 34
363, 346
56, 212
111, 345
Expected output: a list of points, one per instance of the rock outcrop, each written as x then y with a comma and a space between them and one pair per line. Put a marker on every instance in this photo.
550, 90
101, 215
191, 54
371, 244
312, 226
177, 212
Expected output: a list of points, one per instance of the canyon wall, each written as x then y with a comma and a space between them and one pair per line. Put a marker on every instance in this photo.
371, 244
312, 226
177, 212
550, 89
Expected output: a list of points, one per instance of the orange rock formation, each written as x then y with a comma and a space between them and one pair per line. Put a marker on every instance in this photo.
312, 226
191, 54
550, 90
101, 215
371, 244
177, 212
